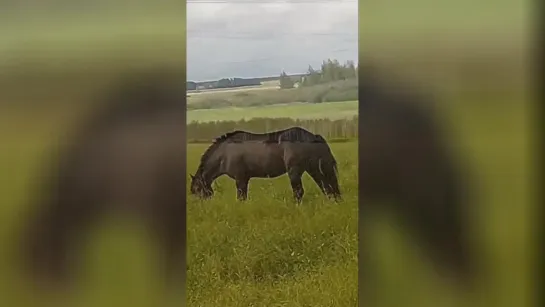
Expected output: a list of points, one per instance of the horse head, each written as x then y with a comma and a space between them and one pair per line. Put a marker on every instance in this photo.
200, 186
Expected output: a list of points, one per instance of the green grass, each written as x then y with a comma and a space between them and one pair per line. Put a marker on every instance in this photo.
333, 110
269, 251
336, 91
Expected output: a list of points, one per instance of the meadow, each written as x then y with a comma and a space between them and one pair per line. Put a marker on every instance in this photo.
249, 250
269, 251
296, 110
336, 91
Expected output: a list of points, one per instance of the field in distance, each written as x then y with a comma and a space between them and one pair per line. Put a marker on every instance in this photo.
265, 85
301, 110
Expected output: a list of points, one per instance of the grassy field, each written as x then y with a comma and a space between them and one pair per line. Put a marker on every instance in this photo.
333, 110
266, 85
336, 91
269, 251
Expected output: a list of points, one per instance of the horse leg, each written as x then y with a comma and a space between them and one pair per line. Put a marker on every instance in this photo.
295, 175
242, 188
318, 178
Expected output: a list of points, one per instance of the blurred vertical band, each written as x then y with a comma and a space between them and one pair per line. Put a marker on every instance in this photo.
447, 152
92, 120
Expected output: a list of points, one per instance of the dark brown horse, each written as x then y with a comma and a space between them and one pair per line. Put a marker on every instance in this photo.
243, 155
406, 166
127, 158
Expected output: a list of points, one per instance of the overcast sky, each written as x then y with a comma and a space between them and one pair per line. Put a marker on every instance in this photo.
231, 38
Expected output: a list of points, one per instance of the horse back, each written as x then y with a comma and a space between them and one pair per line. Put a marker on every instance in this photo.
299, 135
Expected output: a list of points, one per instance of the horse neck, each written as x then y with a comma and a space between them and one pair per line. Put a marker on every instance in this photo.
208, 169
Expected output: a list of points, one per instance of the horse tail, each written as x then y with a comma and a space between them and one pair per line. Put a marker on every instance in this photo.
320, 139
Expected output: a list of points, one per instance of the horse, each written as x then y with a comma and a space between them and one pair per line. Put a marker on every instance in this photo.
406, 167
128, 158
243, 155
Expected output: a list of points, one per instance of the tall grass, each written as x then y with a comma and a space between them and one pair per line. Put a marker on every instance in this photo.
330, 129
270, 252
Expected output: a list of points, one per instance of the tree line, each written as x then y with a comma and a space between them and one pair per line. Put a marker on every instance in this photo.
330, 129
224, 83
330, 71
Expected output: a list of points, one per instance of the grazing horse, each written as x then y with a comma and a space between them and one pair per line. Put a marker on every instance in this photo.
127, 158
405, 164
242, 155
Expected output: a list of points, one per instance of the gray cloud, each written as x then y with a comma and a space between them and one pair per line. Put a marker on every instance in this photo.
247, 40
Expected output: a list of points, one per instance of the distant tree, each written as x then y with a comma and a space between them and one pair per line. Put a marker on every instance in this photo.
313, 77
190, 85
348, 71
285, 81
223, 83
326, 72
245, 82
330, 70
311, 70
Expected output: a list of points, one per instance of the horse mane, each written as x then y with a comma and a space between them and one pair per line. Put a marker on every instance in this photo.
215, 143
